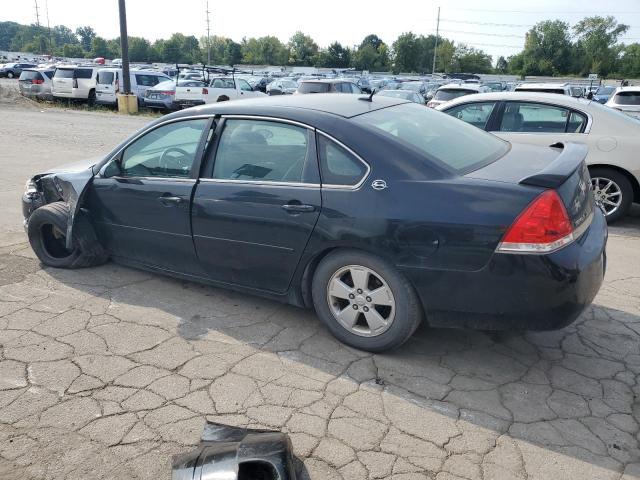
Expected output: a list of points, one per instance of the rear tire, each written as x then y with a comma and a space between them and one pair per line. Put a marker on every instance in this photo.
91, 99
10, 75
47, 235
620, 187
397, 312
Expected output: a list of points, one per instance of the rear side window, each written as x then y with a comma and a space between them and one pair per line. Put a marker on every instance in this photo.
313, 87
84, 73
477, 114
222, 83
105, 78
438, 137
64, 73
258, 150
540, 118
49, 74
148, 80
628, 98
337, 165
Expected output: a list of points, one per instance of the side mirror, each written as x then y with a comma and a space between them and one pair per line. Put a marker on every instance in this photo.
113, 168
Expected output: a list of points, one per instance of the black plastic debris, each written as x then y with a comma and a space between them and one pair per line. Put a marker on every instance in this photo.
233, 453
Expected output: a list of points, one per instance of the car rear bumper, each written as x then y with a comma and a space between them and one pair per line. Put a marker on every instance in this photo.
187, 103
521, 292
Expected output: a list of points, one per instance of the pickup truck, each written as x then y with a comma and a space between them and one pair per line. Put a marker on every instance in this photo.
219, 89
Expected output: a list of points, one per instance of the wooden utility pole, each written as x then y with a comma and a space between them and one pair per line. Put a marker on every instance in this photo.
124, 45
435, 48
208, 37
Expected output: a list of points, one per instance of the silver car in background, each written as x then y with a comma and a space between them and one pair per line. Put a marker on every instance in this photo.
36, 83
627, 100
163, 95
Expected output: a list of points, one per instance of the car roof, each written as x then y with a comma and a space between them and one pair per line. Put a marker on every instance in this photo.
634, 88
297, 107
327, 80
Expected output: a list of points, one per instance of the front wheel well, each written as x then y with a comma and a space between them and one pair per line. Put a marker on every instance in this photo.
633, 180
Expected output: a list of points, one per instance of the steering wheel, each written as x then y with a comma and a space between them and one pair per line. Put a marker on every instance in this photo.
183, 162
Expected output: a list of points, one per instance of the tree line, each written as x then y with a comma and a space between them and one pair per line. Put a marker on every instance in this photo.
551, 47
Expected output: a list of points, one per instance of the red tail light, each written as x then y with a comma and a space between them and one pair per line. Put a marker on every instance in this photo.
75, 83
37, 81
543, 227
205, 91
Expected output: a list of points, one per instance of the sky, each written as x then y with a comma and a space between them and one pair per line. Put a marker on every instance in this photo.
495, 26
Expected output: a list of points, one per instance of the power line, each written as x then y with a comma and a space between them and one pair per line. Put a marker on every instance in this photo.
541, 12
485, 34
487, 23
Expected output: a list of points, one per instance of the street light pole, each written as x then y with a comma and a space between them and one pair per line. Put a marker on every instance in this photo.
124, 45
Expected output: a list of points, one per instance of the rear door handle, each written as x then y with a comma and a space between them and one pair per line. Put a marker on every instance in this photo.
169, 201
298, 208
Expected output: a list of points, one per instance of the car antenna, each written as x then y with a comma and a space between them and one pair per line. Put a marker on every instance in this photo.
370, 97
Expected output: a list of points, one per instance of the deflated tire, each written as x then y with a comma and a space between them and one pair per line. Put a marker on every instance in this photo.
47, 235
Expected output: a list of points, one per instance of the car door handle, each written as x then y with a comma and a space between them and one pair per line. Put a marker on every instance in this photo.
298, 208
169, 201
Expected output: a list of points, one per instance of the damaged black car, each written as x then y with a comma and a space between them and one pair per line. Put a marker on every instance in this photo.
375, 211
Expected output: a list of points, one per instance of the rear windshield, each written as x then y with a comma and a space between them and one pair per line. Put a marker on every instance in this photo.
450, 94
628, 98
49, 73
105, 78
442, 139
84, 73
605, 90
30, 75
64, 72
313, 87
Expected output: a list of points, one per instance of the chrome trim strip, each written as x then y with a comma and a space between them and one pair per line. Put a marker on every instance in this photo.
346, 187
164, 179
265, 183
267, 119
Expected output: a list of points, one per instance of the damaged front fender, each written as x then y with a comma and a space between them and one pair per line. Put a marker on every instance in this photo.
67, 184
234, 453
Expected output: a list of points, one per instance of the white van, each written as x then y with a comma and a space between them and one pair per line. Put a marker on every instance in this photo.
109, 83
75, 82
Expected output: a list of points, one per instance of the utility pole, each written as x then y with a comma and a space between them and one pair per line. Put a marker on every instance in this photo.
38, 25
435, 48
124, 45
46, 5
208, 37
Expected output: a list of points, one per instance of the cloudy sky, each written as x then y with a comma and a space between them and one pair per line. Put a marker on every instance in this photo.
496, 26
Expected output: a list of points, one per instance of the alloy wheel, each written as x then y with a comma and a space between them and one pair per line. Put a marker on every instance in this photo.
361, 301
607, 193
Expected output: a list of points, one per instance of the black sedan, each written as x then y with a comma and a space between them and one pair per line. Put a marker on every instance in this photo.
376, 211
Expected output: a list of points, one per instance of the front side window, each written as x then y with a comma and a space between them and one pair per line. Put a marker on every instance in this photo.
244, 86
533, 118
167, 151
260, 150
337, 165
438, 137
477, 114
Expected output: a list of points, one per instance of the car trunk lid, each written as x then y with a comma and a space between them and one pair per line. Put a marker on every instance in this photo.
560, 167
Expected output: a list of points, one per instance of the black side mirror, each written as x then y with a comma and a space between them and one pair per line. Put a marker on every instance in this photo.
113, 169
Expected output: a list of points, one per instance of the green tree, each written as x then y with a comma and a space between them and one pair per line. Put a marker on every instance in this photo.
86, 34
597, 37
547, 49
302, 49
232, 53
8, 30
372, 40
72, 50
63, 35
445, 56
335, 56
99, 47
502, 66
264, 51
406, 53
470, 60
139, 49
630, 61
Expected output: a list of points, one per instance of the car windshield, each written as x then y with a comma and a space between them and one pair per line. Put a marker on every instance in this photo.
447, 94
627, 98
289, 84
105, 78
442, 139
30, 75
494, 86
605, 90
313, 87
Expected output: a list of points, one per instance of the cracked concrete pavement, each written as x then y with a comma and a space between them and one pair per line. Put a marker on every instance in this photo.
107, 372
